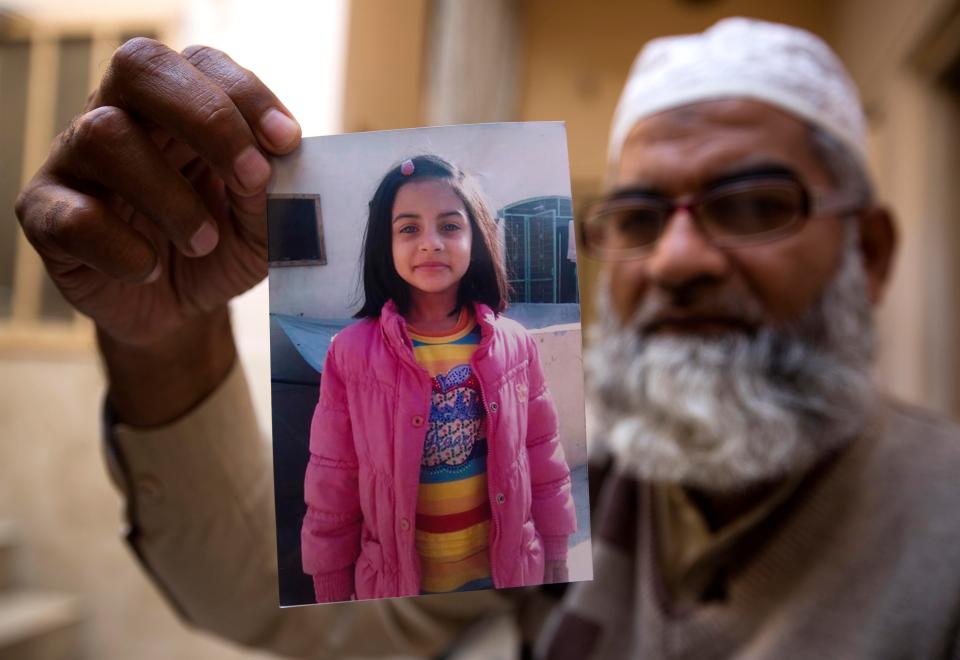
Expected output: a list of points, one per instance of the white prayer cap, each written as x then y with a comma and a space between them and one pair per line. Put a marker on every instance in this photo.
784, 66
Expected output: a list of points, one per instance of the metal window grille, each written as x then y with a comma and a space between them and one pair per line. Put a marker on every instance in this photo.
536, 236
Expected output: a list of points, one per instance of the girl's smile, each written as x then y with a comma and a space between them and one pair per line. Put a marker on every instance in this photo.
432, 240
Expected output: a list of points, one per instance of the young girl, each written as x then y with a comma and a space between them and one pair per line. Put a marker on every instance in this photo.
435, 464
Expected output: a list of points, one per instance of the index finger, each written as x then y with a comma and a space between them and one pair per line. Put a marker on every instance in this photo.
149, 80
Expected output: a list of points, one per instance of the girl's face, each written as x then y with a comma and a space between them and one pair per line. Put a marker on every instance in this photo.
431, 237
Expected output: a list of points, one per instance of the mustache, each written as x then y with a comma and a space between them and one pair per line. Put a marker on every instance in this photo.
660, 306
721, 413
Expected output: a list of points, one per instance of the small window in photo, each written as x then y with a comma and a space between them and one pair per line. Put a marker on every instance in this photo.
296, 230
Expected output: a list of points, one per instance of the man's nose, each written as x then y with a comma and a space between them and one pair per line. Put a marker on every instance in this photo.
683, 255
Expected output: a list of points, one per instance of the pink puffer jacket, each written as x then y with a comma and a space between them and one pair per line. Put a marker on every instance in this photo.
366, 442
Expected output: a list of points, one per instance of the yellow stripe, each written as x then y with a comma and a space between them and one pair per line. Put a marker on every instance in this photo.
432, 493
445, 569
437, 367
453, 546
441, 359
447, 576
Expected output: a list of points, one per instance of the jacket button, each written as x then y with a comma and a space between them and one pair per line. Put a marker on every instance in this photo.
501, 498
417, 420
404, 524
494, 407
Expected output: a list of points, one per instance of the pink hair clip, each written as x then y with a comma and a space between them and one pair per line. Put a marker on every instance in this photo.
406, 167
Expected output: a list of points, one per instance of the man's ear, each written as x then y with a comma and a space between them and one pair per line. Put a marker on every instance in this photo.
878, 244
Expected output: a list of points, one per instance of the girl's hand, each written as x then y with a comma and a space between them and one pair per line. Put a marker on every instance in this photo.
555, 571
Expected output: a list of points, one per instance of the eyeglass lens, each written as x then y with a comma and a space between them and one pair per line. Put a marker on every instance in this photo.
729, 216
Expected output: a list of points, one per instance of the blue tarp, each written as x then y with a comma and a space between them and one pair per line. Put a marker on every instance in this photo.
311, 337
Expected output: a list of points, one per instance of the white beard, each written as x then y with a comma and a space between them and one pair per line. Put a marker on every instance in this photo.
725, 413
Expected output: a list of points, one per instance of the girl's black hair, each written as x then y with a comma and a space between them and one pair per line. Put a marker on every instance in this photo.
486, 278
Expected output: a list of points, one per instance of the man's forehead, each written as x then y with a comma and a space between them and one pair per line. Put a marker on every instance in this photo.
692, 145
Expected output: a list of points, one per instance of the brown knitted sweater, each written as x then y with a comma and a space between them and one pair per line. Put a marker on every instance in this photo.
861, 561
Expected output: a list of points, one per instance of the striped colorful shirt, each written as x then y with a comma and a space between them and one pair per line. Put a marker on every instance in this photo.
453, 507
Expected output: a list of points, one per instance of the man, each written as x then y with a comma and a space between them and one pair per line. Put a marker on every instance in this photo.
756, 497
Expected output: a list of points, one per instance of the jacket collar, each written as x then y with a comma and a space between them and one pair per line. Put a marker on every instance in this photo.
394, 326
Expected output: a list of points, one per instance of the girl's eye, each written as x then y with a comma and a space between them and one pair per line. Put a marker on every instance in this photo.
408, 229
451, 226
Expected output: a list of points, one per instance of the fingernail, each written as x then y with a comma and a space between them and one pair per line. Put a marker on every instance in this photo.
204, 240
251, 169
280, 129
154, 274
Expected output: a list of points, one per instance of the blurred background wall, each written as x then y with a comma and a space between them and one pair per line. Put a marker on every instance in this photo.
66, 581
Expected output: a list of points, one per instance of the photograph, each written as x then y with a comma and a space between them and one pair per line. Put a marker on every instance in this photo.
713, 270
426, 370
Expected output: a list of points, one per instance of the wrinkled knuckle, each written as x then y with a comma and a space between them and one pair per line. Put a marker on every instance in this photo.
23, 204
139, 58
65, 224
98, 131
237, 83
242, 82
230, 76
219, 117
107, 125
35, 211
134, 51
41, 221
199, 55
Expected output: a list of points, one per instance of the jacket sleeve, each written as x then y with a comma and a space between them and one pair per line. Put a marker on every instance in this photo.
554, 513
330, 536
199, 513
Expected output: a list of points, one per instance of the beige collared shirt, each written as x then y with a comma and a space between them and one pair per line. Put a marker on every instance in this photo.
199, 497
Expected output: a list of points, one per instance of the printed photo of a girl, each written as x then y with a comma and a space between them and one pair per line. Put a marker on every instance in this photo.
435, 463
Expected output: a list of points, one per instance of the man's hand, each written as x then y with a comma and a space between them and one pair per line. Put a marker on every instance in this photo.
149, 211
150, 207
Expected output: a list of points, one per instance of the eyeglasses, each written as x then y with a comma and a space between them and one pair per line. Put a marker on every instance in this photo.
742, 213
